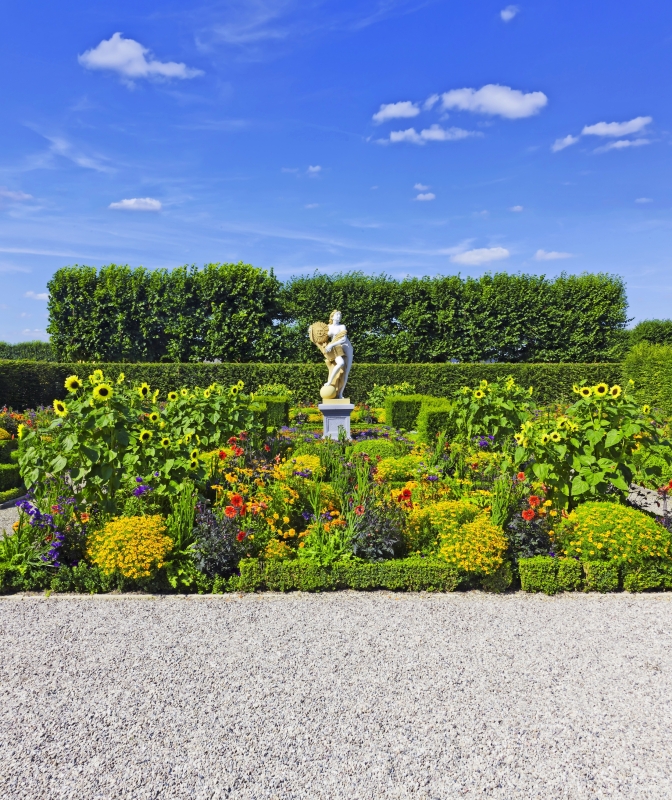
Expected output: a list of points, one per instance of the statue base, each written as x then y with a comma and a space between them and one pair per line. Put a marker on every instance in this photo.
336, 415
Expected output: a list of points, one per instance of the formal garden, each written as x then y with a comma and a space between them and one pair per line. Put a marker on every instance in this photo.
190, 477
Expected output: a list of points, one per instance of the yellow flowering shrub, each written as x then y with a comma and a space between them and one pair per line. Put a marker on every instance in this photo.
4, 434
277, 550
134, 546
426, 525
612, 532
303, 463
398, 469
478, 546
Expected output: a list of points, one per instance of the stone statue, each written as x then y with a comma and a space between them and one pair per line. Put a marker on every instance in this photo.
333, 342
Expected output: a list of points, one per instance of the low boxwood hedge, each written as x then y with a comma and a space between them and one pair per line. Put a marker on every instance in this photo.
552, 575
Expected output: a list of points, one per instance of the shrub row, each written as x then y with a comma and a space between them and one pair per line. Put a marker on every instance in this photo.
553, 575
650, 367
27, 384
31, 351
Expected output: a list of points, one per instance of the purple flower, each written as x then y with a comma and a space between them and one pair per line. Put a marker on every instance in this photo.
156, 474
432, 478
139, 480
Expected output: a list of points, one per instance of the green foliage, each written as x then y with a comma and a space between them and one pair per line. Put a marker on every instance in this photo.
180, 569
97, 442
7, 447
83, 579
274, 390
277, 409
498, 581
12, 494
642, 578
653, 331
550, 575
376, 397
28, 384
223, 311
24, 551
601, 576
591, 449
436, 418
493, 409
30, 351
409, 574
401, 412
9, 477
649, 366
385, 448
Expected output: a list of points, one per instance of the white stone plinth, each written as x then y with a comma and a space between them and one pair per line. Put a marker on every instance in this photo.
336, 415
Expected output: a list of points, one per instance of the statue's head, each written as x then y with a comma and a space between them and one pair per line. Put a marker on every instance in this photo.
335, 318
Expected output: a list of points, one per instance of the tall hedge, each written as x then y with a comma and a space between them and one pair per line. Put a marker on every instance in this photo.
235, 312
31, 351
26, 384
650, 367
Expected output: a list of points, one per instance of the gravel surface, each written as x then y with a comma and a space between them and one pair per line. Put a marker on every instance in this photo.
8, 516
349, 695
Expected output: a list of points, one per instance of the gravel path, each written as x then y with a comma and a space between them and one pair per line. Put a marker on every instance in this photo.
350, 695
8, 516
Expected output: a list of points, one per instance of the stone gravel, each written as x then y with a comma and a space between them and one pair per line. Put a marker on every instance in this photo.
346, 695
8, 516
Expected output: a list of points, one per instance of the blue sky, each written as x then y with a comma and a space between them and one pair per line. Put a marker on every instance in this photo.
412, 137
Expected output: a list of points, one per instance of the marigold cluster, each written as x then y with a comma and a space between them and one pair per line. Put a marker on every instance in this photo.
136, 547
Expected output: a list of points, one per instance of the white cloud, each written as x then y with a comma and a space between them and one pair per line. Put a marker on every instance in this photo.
129, 59
62, 147
621, 144
516, 208
311, 205
495, 99
435, 133
314, 170
16, 196
403, 109
567, 141
137, 204
644, 200
37, 295
421, 187
508, 13
481, 255
426, 196
551, 255
430, 102
617, 128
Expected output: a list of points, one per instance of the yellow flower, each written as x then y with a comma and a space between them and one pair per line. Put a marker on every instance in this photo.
285, 520
193, 464
73, 384
154, 416
145, 436
576, 389
184, 392
121, 378
194, 454
230, 477
544, 438
60, 408
615, 390
586, 391
479, 394
233, 391
96, 377
601, 389
240, 385
21, 430
555, 436
519, 438
102, 392
144, 390
172, 397
646, 409
165, 442
206, 394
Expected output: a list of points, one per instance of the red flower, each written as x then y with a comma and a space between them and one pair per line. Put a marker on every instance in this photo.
406, 494
267, 448
474, 466
359, 510
230, 512
243, 435
233, 440
243, 510
521, 476
222, 455
236, 500
238, 451
241, 535
528, 514
534, 501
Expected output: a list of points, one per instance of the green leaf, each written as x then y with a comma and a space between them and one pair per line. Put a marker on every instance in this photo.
612, 438
59, 464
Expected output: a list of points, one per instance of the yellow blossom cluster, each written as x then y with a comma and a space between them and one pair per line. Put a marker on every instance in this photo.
612, 532
477, 547
134, 546
426, 525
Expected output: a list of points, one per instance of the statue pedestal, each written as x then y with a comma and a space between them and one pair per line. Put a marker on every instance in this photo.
335, 415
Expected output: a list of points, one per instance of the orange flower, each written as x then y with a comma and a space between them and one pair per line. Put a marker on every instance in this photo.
236, 500
521, 476
528, 514
230, 512
534, 501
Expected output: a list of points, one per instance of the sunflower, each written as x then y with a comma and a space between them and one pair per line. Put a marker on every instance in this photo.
60, 408
193, 464
102, 392
207, 394
479, 394
544, 438
240, 385
145, 436
518, 437
154, 416
615, 390
96, 377
121, 378
586, 391
172, 397
194, 454
165, 442
184, 392
73, 384
646, 409
143, 390
601, 390
233, 391
576, 389
555, 436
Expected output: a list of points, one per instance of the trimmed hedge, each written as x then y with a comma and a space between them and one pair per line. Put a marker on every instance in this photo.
12, 494
277, 410
650, 367
33, 351
28, 384
551, 575
408, 574
7, 447
9, 476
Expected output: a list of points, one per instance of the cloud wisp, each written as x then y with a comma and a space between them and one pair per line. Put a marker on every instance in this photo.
551, 255
402, 110
480, 255
37, 295
435, 133
608, 130
137, 204
15, 197
495, 100
132, 60
508, 13
426, 196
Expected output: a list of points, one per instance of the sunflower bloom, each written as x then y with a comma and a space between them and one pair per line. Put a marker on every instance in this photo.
73, 384
586, 391
165, 442
60, 408
144, 390
172, 397
102, 392
601, 390
479, 394
154, 416
145, 436
615, 391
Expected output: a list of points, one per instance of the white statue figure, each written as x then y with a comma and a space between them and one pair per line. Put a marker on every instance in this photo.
333, 341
